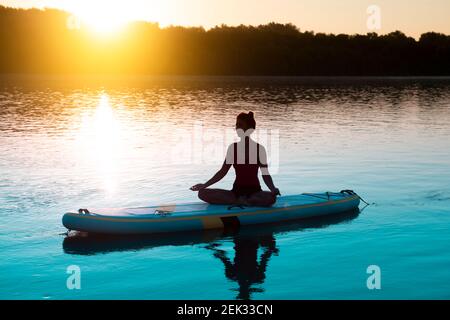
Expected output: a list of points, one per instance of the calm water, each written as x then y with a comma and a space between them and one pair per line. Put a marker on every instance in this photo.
93, 142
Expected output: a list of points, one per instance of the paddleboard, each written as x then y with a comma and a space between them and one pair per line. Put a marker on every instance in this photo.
200, 216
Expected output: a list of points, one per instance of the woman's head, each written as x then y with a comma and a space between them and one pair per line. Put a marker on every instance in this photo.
245, 122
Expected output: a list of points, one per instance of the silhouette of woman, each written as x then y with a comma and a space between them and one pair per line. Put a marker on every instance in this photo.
246, 156
245, 269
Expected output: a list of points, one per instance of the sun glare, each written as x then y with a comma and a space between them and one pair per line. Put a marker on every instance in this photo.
100, 17
100, 143
107, 17
104, 25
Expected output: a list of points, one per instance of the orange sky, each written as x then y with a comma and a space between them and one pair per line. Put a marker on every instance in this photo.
332, 16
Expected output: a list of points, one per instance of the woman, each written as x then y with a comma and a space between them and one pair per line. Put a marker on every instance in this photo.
246, 156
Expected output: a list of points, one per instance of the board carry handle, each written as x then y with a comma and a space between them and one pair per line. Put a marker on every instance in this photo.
353, 193
83, 211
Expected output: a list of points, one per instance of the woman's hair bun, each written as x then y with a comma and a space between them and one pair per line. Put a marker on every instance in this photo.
248, 119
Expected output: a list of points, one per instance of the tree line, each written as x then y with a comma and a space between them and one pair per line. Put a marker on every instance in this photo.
40, 41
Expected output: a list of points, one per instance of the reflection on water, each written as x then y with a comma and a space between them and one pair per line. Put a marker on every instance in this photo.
247, 269
100, 142
84, 142
122, 140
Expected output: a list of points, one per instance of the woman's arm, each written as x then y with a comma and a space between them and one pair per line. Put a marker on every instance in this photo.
267, 178
216, 178
269, 183
219, 174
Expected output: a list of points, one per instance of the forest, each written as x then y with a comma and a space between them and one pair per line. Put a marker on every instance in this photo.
41, 41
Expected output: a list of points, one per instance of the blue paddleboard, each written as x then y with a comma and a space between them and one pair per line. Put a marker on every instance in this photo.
200, 216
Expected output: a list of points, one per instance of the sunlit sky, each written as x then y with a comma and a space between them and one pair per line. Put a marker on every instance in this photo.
331, 16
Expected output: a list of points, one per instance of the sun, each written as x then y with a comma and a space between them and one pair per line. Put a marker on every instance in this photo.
101, 17
107, 17
103, 25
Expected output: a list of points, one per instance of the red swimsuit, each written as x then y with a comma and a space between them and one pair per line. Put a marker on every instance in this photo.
247, 181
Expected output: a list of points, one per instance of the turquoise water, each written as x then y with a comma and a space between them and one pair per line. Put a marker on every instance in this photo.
67, 143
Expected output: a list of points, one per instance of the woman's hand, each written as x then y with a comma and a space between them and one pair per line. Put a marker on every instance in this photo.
198, 187
276, 192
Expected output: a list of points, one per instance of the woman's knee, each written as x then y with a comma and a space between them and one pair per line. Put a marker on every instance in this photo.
203, 194
269, 199
265, 199
272, 199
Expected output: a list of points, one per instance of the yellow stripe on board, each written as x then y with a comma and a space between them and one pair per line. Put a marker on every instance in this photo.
212, 222
218, 215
